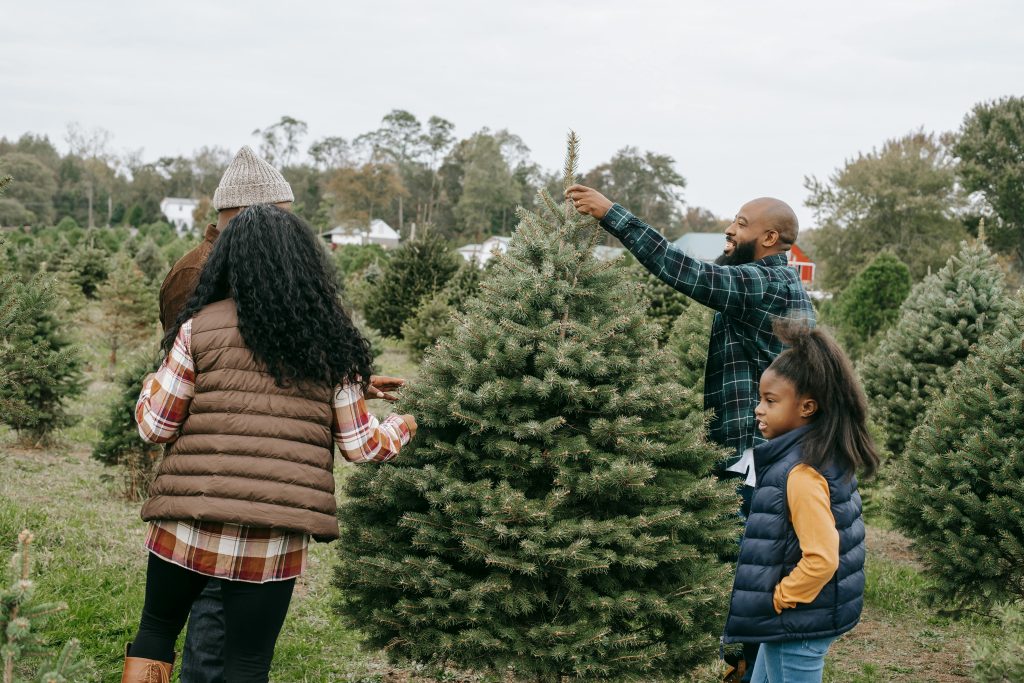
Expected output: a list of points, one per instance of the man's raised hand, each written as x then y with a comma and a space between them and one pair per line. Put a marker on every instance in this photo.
588, 201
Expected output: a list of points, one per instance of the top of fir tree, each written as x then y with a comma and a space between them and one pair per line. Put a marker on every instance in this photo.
556, 513
941, 319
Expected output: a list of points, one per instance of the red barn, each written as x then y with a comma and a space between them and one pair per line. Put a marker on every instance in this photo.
804, 266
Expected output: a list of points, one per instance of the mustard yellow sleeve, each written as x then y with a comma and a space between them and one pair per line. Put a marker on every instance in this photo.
810, 511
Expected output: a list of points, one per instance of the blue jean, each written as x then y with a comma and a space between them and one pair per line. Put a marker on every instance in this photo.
791, 661
202, 660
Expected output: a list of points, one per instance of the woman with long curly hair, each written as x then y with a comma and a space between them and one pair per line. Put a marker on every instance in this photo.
265, 372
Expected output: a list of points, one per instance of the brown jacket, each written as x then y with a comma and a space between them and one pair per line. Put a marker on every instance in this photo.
183, 278
250, 452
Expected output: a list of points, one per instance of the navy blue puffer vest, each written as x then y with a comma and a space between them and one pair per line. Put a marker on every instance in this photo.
770, 551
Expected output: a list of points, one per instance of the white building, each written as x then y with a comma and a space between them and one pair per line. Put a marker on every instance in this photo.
179, 212
482, 253
606, 253
378, 232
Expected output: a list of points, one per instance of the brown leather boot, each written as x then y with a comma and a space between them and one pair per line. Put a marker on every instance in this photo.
139, 670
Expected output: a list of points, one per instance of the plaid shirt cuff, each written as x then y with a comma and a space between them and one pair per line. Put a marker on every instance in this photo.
617, 220
638, 237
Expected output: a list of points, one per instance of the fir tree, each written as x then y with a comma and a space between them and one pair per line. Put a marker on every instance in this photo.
870, 303
958, 488
942, 318
119, 444
688, 342
128, 302
435, 318
87, 267
39, 367
21, 617
416, 270
557, 515
1000, 658
150, 261
666, 303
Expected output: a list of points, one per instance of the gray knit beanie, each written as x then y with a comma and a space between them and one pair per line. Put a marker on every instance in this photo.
250, 180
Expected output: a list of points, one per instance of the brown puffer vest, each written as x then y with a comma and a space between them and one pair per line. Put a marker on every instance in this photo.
250, 452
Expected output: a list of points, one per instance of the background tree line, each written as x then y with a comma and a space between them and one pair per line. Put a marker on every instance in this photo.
406, 172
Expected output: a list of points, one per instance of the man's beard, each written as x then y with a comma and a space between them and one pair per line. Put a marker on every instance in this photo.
742, 253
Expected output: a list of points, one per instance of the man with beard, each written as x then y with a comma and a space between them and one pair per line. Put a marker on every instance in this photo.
749, 286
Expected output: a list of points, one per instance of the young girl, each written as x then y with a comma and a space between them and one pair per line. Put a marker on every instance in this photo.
265, 373
800, 576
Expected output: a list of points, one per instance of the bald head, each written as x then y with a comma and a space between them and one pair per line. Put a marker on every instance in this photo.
773, 214
763, 227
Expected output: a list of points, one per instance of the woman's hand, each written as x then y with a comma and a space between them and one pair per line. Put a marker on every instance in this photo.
410, 422
381, 386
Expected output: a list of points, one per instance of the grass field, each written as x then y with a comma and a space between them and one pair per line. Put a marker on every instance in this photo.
88, 553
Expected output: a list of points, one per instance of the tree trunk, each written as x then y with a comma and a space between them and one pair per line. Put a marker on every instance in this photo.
88, 196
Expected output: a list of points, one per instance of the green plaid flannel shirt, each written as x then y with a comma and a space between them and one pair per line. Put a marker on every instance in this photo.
747, 298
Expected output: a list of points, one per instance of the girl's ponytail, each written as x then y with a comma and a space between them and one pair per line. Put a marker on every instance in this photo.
818, 368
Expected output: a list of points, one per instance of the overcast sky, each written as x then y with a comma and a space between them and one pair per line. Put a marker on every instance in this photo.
747, 96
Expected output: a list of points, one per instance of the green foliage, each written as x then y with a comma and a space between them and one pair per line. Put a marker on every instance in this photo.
435, 318
129, 305
150, 261
21, 617
416, 270
958, 489
688, 343
646, 183
13, 213
34, 186
87, 267
1001, 659
990, 145
67, 223
556, 515
119, 444
941, 319
39, 368
902, 198
666, 303
354, 258
870, 303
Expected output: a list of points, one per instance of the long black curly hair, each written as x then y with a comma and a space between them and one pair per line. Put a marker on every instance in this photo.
270, 262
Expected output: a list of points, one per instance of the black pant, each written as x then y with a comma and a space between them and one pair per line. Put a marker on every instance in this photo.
253, 614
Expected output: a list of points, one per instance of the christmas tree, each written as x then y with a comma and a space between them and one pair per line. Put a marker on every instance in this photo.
666, 303
870, 303
416, 270
39, 367
119, 444
21, 616
556, 515
942, 318
688, 342
958, 489
128, 301
435, 318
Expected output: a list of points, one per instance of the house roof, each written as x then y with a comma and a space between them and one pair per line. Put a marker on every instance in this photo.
377, 229
707, 246
179, 200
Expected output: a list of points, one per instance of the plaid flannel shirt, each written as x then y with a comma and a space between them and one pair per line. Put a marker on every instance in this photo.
232, 551
748, 298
